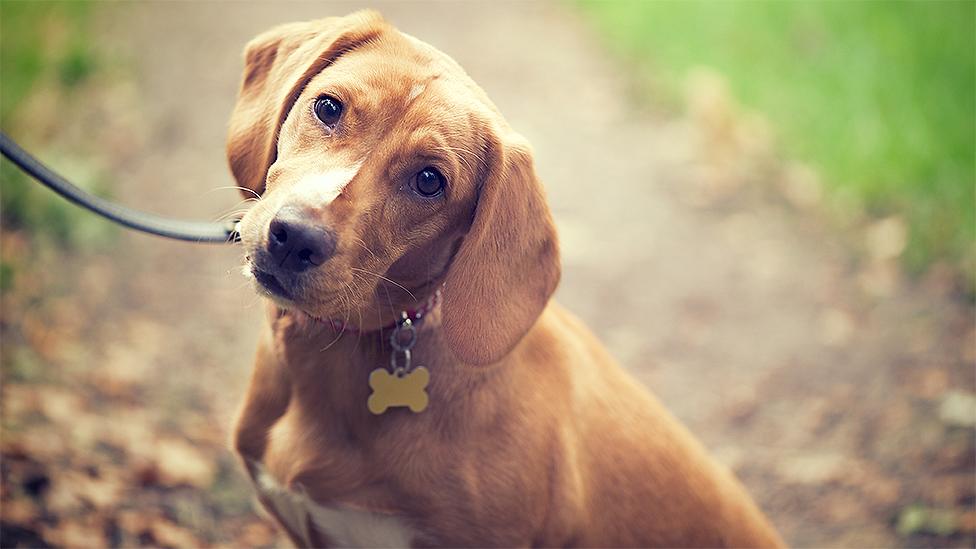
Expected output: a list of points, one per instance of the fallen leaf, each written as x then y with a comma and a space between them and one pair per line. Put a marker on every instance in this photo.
886, 239
918, 519
802, 187
43, 443
21, 511
101, 492
710, 103
958, 409
76, 533
257, 534
815, 468
178, 462
879, 279
836, 327
60, 405
168, 534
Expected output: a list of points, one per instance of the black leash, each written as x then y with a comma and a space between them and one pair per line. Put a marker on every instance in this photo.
192, 231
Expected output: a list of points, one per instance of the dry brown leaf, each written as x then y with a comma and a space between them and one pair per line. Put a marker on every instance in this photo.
710, 104
802, 187
178, 462
837, 327
103, 492
879, 279
130, 430
949, 490
126, 368
928, 382
63, 498
133, 522
72, 490
60, 405
76, 533
257, 534
958, 408
814, 468
966, 522
19, 400
886, 239
20, 511
42, 443
168, 534
43, 338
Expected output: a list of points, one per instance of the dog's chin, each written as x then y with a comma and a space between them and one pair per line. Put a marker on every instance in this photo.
268, 286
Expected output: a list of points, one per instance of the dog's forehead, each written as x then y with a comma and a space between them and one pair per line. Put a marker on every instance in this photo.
401, 66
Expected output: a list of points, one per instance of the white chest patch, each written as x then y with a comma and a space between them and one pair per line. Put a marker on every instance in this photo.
343, 526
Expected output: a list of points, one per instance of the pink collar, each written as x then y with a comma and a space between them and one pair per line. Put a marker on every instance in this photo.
415, 316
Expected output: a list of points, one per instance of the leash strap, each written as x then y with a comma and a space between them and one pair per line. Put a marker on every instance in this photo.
191, 231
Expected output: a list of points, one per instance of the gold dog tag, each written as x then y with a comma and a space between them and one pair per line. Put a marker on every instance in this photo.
408, 389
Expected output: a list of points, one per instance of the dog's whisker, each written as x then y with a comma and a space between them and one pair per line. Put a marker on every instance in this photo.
348, 306
381, 277
239, 204
358, 309
379, 312
237, 188
233, 213
389, 301
365, 247
359, 336
346, 303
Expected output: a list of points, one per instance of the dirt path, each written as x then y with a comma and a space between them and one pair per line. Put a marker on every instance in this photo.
824, 388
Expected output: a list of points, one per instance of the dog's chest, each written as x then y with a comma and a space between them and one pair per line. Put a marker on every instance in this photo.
342, 526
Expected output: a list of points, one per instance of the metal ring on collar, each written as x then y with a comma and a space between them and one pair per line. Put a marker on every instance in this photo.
399, 370
405, 327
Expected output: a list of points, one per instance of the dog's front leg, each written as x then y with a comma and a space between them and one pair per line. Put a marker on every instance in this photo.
266, 400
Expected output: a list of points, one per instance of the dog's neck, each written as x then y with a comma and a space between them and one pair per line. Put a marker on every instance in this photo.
329, 372
359, 335
417, 315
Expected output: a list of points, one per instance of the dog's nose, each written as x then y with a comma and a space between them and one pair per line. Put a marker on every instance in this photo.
296, 242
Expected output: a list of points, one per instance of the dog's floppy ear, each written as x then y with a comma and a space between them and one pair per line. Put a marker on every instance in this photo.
278, 64
507, 266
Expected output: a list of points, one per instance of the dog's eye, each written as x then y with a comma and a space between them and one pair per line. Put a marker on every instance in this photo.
429, 182
328, 110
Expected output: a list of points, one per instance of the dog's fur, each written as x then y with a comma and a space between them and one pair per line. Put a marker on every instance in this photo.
533, 435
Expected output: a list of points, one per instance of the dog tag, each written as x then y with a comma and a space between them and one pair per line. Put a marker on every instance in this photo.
389, 390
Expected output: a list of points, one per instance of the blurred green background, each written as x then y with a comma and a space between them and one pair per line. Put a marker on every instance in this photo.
876, 96
46, 48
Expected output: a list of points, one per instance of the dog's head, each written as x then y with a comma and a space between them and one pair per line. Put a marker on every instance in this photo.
384, 173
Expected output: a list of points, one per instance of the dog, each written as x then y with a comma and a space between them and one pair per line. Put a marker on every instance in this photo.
415, 385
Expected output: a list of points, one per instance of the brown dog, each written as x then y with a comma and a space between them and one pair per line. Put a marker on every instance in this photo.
386, 175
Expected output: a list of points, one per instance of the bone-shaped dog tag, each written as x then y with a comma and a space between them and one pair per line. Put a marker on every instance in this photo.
390, 390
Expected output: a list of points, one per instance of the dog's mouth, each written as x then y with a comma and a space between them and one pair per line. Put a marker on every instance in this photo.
271, 283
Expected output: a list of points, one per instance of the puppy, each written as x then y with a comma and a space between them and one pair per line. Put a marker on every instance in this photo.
415, 384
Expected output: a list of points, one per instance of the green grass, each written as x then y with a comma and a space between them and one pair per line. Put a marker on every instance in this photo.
44, 46
879, 96
42, 43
